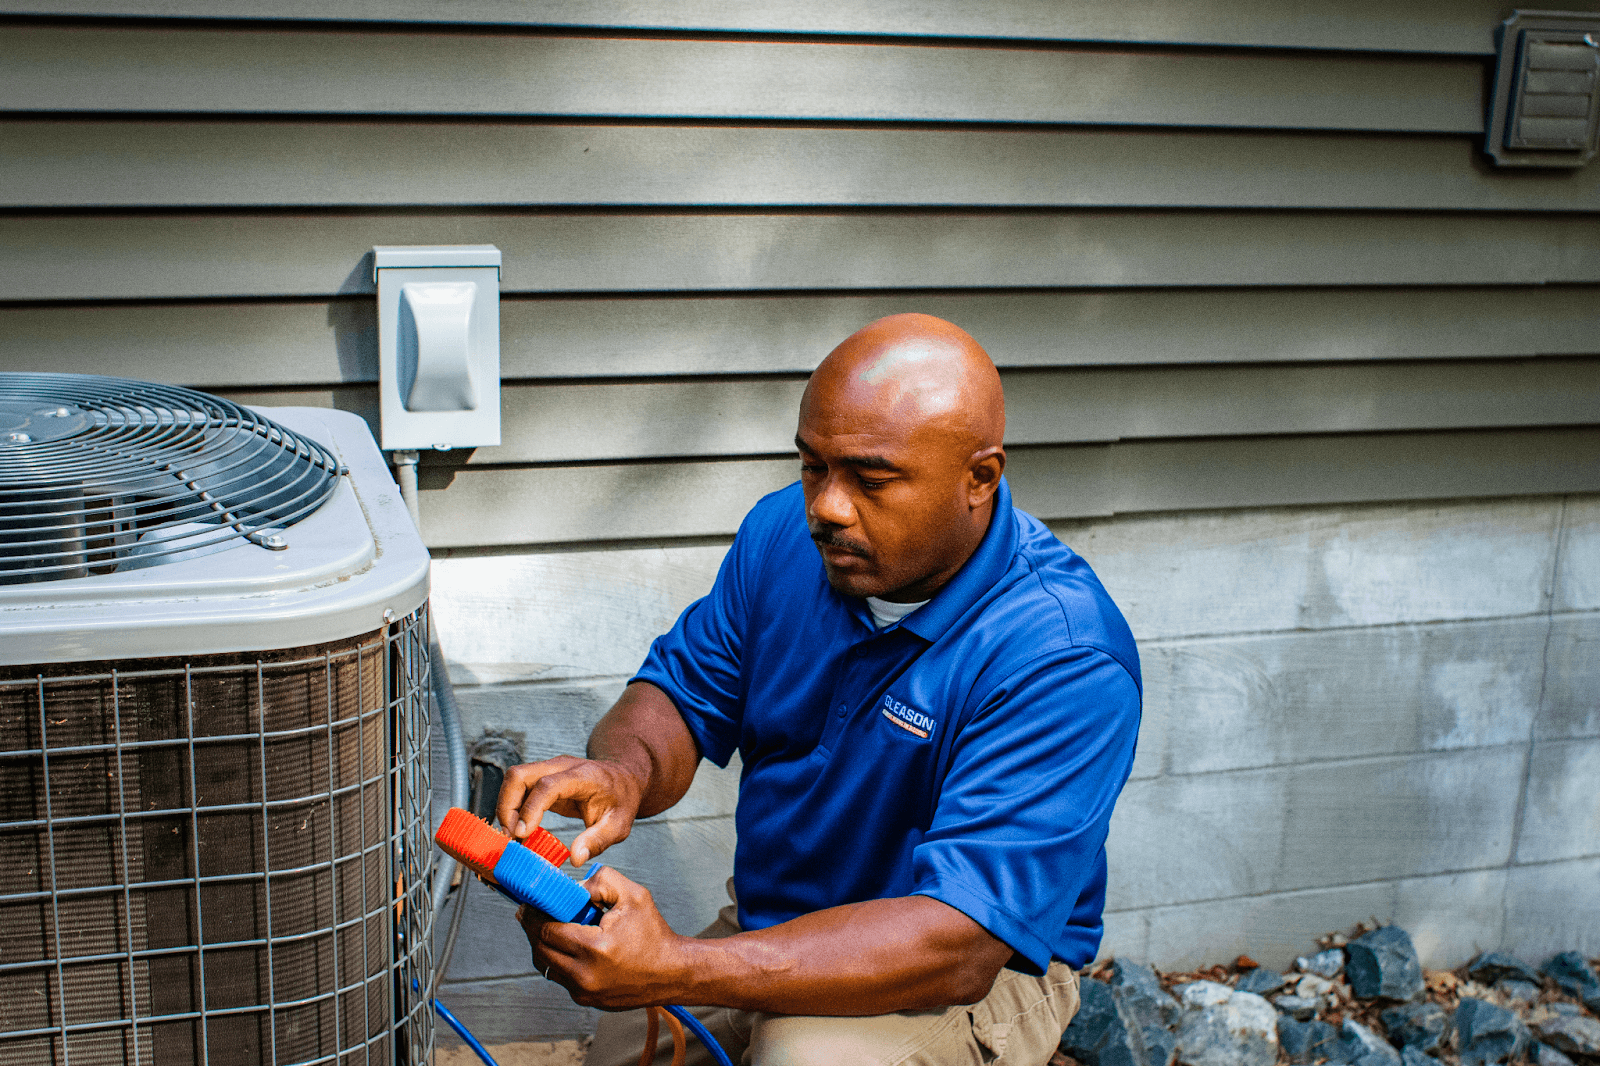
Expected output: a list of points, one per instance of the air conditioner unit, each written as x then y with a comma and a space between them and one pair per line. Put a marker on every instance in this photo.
214, 802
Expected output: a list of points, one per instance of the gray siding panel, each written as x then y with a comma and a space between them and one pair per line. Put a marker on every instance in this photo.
308, 164
1464, 26
528, 506
554, 423
49, 68
143, 256
707, 419
284, 343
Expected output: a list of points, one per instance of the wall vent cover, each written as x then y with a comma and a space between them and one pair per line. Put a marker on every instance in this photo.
1547, 90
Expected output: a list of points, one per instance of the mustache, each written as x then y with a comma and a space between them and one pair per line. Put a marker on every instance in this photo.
833, 540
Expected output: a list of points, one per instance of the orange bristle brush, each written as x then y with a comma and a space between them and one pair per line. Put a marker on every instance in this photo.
512, 868
474, 842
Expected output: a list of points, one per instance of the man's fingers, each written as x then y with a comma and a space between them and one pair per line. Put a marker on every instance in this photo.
528, 792
553, 955
608, 888
611, 828
604, 795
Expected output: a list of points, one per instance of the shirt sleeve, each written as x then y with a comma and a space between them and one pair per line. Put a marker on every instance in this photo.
1018, 834
697, 662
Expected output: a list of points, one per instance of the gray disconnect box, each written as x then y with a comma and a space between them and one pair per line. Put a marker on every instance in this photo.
1547, 90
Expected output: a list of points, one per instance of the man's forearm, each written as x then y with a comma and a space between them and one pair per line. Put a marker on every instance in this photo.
644, 734
908, 953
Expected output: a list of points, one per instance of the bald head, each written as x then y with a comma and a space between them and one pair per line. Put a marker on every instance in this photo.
900, 439
912, 371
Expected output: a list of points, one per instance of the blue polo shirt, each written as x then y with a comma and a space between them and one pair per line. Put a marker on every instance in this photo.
971, 753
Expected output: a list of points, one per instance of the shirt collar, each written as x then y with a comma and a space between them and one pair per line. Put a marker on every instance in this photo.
982, 570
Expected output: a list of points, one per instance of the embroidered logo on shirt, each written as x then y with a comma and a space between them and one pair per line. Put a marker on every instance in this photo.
910, 719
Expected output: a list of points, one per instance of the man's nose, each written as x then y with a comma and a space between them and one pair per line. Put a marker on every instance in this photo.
831, 505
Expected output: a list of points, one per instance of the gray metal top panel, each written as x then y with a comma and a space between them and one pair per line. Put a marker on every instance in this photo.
351, 566
434, 255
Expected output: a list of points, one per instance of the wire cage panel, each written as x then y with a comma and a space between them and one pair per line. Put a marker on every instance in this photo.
221, 859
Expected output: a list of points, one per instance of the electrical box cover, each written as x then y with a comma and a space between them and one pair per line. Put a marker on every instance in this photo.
438, 346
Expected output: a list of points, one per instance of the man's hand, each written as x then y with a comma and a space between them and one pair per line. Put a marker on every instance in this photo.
631, 959
605, 795
641, 761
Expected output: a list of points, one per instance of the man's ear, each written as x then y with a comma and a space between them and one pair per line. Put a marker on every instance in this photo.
983, 475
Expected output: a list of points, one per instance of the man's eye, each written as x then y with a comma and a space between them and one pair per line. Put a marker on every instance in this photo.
866, 484
812, 468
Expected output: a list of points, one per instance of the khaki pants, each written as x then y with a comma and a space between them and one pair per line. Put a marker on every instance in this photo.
1018, 1023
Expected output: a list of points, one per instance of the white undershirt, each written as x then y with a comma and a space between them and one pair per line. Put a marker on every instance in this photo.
887, 614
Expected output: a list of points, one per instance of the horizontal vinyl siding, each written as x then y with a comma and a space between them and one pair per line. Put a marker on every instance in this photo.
1229, 258
547, 423
227, 343
141, 256
272, 162
652, 501
378, 71
1464, 26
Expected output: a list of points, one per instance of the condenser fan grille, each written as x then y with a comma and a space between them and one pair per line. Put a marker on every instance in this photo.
99, 474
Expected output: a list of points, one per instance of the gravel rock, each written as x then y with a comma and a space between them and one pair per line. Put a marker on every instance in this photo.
1517, 993
1224, 1027
1360, 1045
1097, 1036
1323, 963
1297, 1007
1153, 1047
1492, 966
1573, 1034
1411, 1055
1312, 986
1384, 963
1306, 1042
1545, 1055
1423, 1026
1260, 981
1140, 997
1487, 1033
1147, 1011
1574, 974
1197, 995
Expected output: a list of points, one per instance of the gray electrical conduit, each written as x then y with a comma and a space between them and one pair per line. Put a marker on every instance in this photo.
444, 696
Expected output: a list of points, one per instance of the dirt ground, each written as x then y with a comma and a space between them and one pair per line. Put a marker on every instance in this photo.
555, 1053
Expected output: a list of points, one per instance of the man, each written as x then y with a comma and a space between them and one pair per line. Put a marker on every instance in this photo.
935, 703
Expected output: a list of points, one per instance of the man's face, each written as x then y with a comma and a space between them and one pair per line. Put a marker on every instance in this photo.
886, 504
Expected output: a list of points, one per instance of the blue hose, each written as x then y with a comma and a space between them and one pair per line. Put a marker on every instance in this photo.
689, 1021
472, 1042
699, 1030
